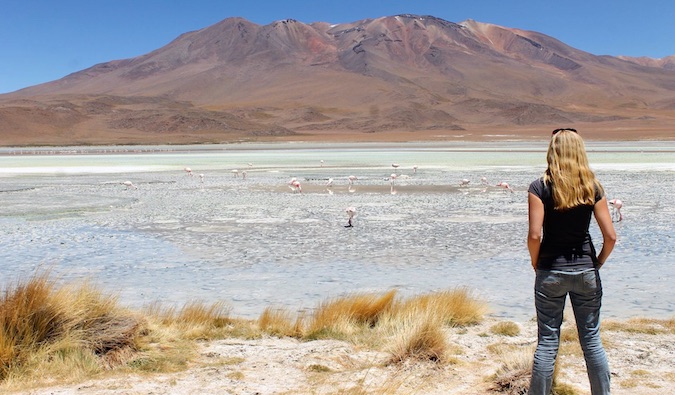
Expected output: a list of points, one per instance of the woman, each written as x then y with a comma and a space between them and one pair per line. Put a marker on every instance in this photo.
560, 204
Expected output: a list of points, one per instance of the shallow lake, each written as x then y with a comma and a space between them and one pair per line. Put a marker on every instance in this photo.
246, 238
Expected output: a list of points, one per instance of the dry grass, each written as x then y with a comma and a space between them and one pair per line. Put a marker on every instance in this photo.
339, 318
280, 322
195, 320
69, 332
65, 334
418, 337
505, 328
513, 376
646, 326
455, 307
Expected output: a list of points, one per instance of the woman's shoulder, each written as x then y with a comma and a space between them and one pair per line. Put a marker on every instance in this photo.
537, 185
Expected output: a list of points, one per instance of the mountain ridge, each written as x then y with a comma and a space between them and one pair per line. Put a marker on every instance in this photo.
405, 74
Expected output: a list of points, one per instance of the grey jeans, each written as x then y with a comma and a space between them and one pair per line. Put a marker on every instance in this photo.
550, 290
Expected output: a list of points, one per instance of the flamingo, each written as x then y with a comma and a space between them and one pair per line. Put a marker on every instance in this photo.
243, 174
464, 182
295, 186
506, 186
392, 178
329, 186
201, 177
484, 181
235, 173
616, 209
321, 162
129, 184
395, 166
352, 179
351, 213
188, 171
415, 169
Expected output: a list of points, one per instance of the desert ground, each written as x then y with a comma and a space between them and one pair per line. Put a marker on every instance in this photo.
640, 361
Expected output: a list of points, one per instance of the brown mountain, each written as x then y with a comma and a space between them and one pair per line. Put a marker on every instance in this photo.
404, 77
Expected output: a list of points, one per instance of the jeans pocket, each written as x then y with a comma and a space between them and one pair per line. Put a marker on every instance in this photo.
591, 280
547, 282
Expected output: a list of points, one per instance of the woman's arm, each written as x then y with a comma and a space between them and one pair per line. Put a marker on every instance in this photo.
604, 219
535, 217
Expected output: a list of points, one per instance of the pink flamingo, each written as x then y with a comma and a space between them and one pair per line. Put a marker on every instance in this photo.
188, 171
295, 186
395, 166
129, 185
201, 177
506, 186
235, 173
465, 182
415, 169
352, 179
484, 181
351, 213
616, 209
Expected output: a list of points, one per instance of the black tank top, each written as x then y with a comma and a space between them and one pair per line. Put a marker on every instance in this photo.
566, 244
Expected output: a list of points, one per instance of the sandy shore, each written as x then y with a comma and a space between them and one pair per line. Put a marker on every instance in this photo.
641, 364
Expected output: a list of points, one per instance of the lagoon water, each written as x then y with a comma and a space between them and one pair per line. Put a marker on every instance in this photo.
252, 242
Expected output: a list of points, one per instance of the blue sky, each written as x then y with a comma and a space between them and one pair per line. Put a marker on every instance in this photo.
44, 40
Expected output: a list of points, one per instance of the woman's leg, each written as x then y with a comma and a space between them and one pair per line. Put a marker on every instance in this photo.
550, 290
586, 298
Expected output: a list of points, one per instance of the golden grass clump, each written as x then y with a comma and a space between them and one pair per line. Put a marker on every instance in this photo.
648, 326
280, 322
343, 316
419, 338
513, 376
455, 307
45, 328
412, 328
505, 328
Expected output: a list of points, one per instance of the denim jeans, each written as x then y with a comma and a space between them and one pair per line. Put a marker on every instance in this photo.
585, 290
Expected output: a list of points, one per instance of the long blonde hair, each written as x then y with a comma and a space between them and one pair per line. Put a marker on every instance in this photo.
573, 182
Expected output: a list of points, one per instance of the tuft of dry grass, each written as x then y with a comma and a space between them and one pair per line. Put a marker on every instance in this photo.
419, 338
456, 307
280, 322
195, 320
505, 328
563, 389
68, 331
338, 317
648, 326
513, 376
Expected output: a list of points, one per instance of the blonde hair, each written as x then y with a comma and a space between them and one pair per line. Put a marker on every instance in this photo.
573, 182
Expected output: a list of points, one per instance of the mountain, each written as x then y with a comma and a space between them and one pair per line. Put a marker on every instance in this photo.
400, 77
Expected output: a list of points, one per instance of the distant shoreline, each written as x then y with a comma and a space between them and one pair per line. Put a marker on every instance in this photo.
618, 146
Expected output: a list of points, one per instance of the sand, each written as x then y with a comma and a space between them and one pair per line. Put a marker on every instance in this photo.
640, 364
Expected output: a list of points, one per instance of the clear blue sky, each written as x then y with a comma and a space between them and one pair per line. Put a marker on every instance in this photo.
44, 40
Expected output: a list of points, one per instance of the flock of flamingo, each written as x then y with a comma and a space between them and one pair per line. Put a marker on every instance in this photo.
296, 187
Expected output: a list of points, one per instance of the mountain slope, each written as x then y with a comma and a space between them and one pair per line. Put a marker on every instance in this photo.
237, 80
